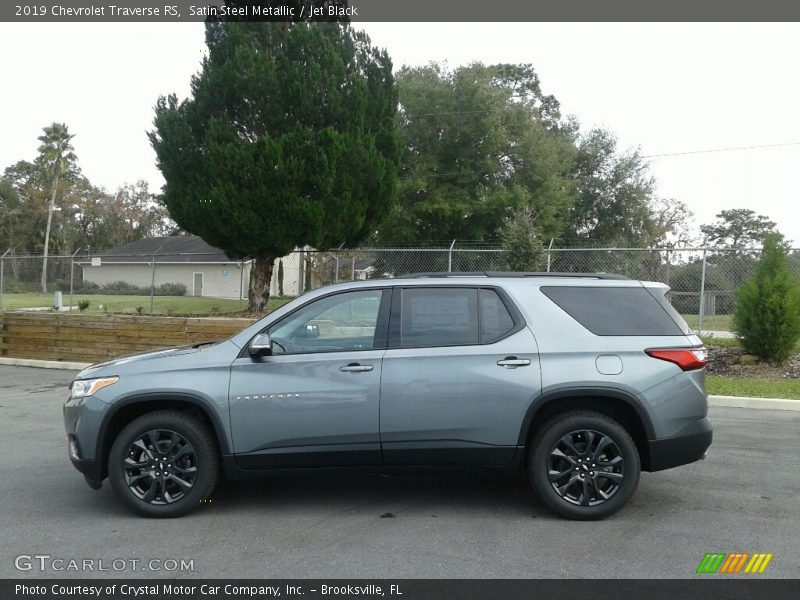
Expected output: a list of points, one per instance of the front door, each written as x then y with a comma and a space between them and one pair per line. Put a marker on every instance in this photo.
460, 372
315, 400
197, 287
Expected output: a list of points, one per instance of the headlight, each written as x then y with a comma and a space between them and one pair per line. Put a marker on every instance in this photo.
88, 387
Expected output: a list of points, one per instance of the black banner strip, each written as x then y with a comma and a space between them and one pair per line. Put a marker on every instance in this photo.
400, 10
702, 587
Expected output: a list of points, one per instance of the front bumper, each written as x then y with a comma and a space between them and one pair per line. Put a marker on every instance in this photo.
92, 469
690, 445
82, 422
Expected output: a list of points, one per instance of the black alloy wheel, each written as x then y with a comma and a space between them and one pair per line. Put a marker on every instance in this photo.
164, 463
583, 465
161, 467
586, 468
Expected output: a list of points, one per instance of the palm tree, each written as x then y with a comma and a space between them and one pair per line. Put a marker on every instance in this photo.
56, 157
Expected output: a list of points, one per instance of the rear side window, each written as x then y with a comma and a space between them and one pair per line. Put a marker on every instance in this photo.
614, 310
439, 316
494, 317
454, 316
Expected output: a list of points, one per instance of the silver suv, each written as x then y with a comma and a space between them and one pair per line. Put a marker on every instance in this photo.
576, 381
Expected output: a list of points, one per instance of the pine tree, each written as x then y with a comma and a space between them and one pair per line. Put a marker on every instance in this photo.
767, 314
287, 140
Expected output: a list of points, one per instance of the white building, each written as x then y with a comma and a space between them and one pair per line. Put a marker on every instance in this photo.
187, 260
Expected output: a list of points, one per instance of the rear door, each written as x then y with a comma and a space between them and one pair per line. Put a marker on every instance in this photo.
460, 371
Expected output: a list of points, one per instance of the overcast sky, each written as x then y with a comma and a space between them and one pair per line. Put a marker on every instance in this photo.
666, 88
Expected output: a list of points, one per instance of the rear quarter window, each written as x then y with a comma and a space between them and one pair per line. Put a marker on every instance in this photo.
614, 310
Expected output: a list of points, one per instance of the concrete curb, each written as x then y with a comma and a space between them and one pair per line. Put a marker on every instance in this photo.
43, 364
747, 402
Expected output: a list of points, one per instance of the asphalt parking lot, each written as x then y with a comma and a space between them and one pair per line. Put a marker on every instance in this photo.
744, 497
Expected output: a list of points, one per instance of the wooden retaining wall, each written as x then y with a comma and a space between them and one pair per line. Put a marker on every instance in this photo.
94, 338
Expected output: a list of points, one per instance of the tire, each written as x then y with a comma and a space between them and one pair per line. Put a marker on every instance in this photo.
592, 482
164, 463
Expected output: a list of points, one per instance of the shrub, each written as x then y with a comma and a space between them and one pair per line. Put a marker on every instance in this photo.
170, 289
83, 305
86, 287
521, 241
123, 288
768, 306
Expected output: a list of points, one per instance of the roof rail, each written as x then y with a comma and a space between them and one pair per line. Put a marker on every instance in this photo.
513, 274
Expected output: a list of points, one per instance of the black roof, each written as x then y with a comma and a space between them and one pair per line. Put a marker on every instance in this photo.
176, 248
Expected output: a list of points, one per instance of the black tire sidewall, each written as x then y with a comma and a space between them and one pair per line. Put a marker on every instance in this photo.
539, 454
207, 463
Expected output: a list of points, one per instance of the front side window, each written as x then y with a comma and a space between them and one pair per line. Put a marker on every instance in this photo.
338, 323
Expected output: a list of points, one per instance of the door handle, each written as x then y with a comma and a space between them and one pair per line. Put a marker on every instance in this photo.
512, 362
355, 368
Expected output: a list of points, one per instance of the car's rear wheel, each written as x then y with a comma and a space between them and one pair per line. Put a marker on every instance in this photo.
583, 465
164, 463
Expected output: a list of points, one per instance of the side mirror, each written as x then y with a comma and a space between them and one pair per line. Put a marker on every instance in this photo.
312, 331
261, 345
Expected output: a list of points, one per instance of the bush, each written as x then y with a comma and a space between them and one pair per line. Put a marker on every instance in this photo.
521, 241
170, 289
83, 305
768, 306
123, 288
86, 287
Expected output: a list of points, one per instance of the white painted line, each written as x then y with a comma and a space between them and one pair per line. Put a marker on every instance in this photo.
746, 402
43, 364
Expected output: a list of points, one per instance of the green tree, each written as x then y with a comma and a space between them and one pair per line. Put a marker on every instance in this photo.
521, 241
615, 194
738, 228
478, 142
668, 224
288, 139
10, 214
767, 314
56, 157
26, 208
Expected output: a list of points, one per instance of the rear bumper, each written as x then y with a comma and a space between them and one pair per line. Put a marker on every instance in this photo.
690, 445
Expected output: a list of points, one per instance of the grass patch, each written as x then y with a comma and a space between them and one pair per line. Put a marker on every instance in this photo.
711, 322
762, 388
731, 343
711, 342
162, 305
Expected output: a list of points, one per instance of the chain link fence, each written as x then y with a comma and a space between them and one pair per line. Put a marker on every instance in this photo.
703, 281
172, 284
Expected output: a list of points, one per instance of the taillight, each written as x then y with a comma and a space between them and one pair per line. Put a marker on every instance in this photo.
687, 359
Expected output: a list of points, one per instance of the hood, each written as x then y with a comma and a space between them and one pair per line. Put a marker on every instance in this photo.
106, 368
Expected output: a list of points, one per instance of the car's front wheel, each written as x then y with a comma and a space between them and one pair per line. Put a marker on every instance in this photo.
164, 463
583, 465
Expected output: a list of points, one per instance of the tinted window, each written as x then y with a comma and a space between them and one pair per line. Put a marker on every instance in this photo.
332, 324
614, 311
660, 294
439, 316
494, 318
